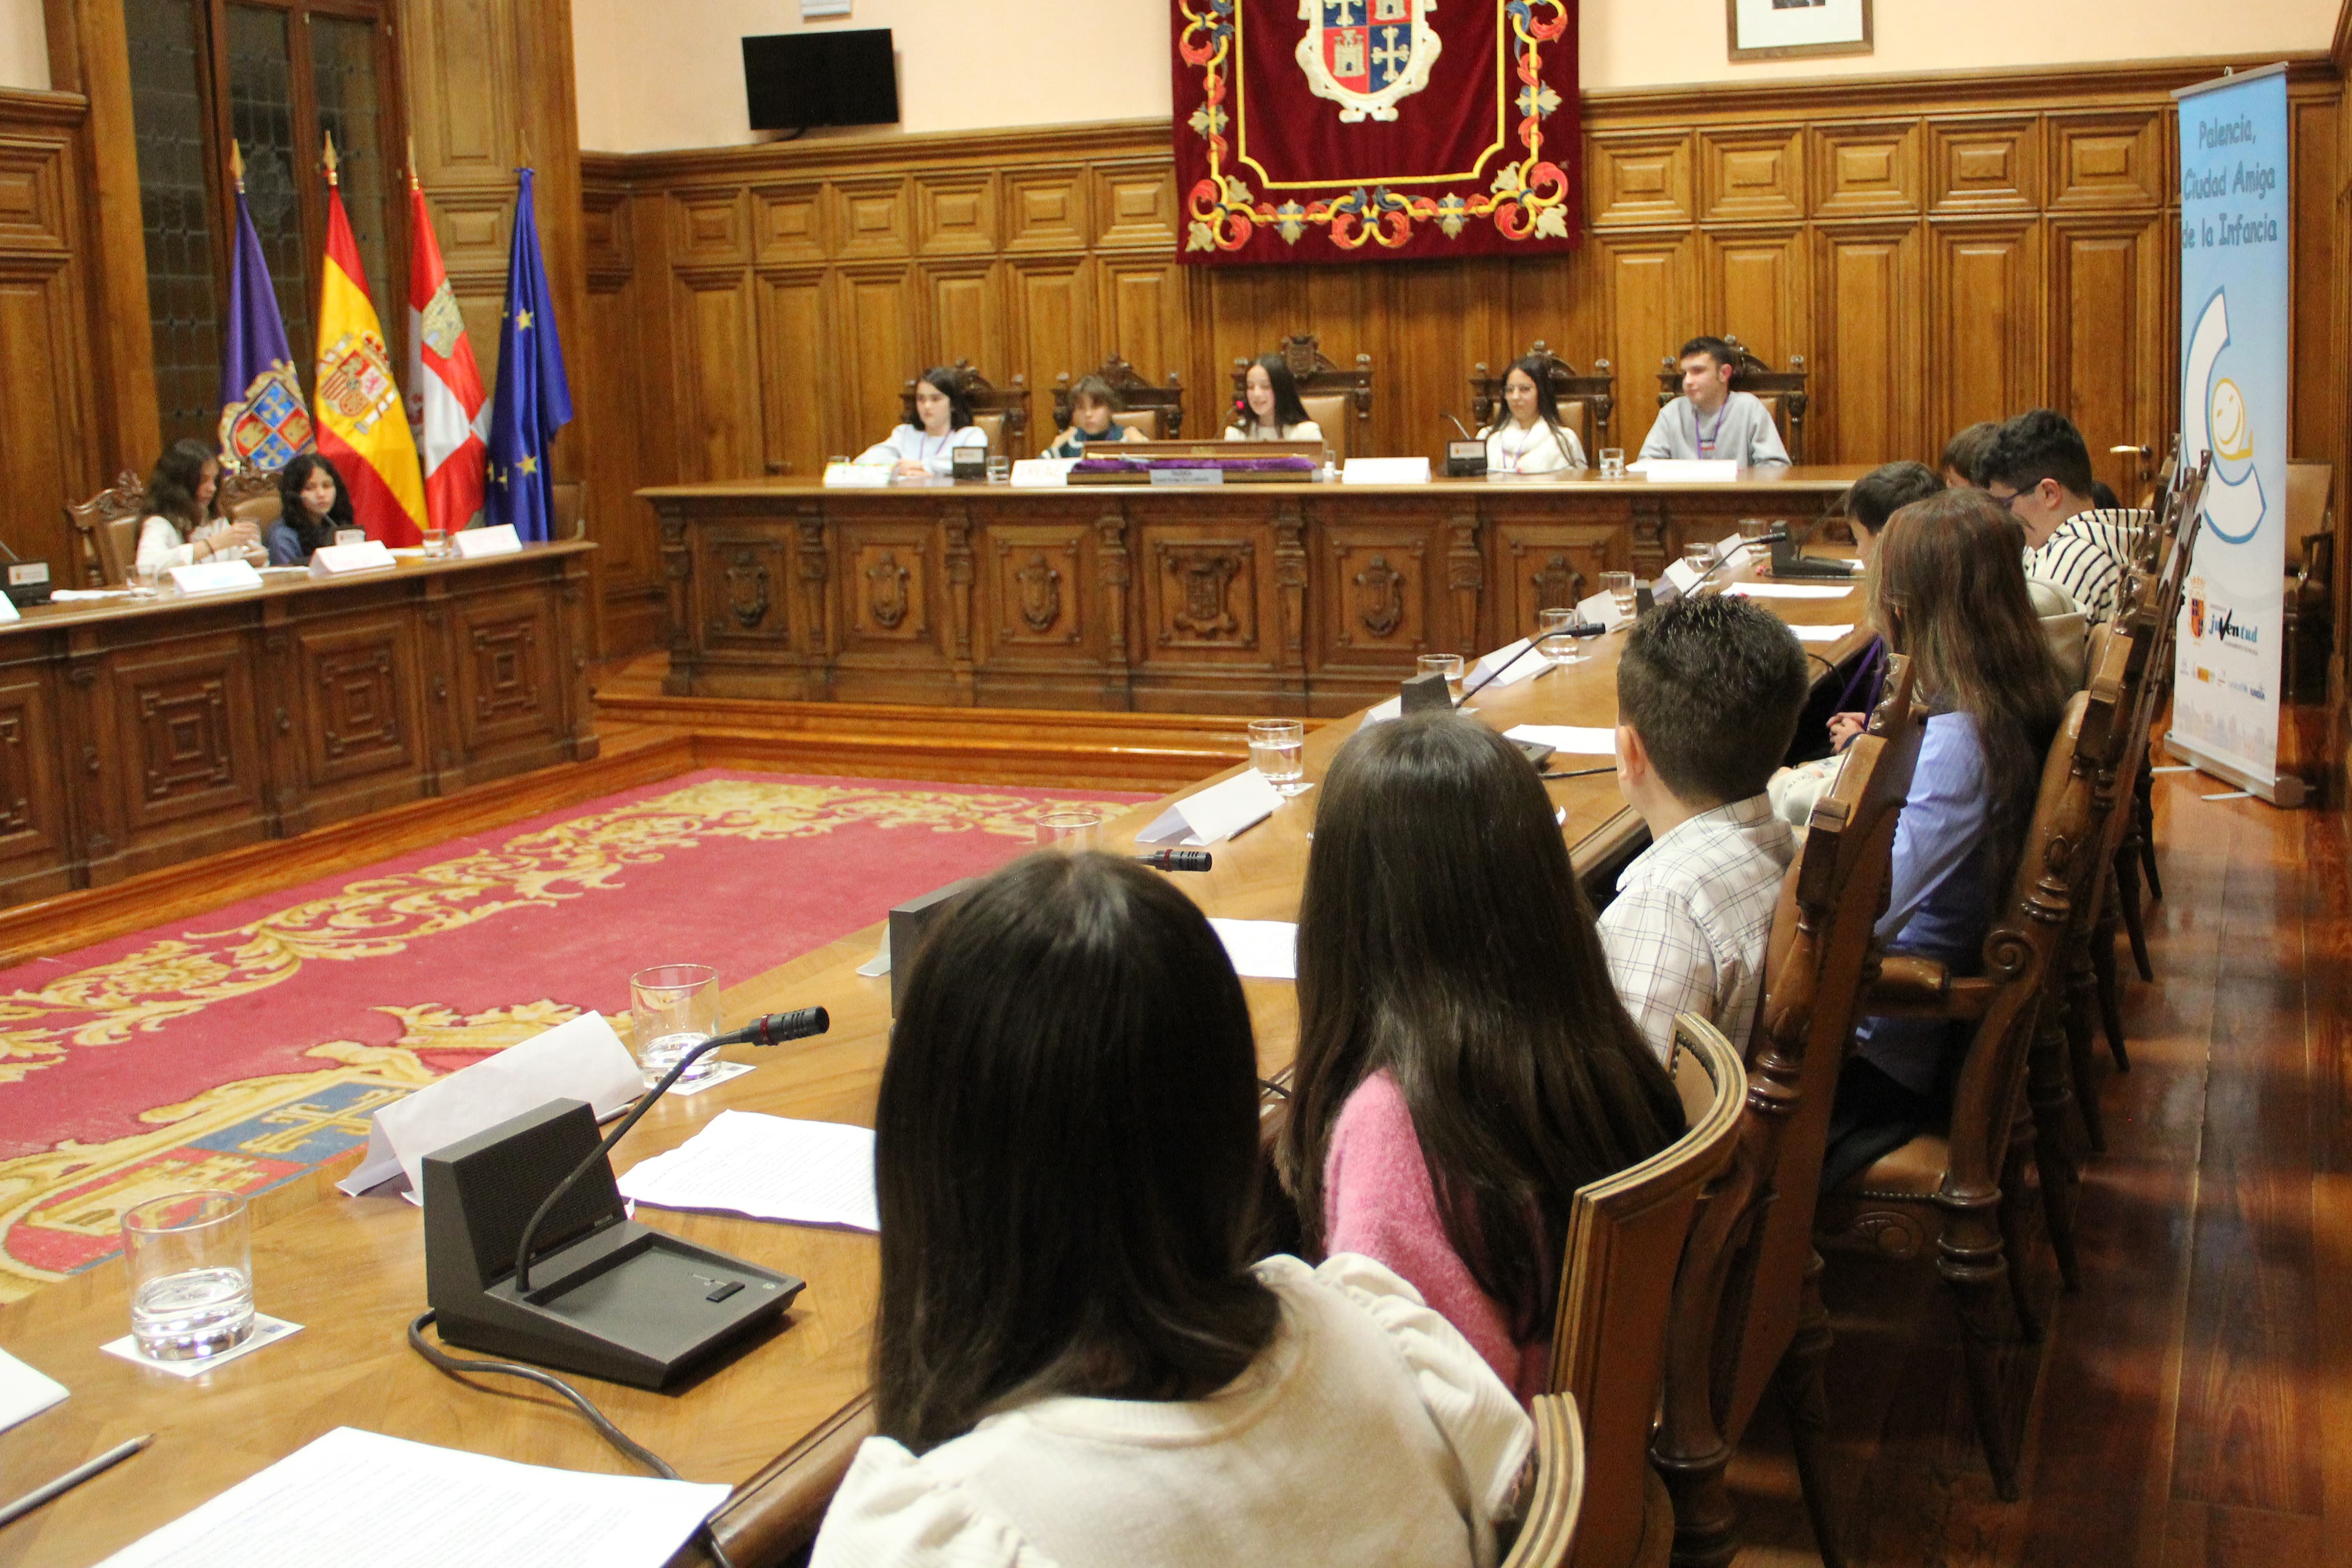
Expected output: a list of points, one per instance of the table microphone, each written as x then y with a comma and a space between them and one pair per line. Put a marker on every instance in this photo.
1174, 860
1777, 536
1460, 426
1581, 629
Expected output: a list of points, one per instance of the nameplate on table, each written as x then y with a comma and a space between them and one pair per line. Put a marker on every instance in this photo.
25, 1391
1691, 471
857, 476
1260, 949
1602, 607
1728, 544
1188, 475
215, 577
342, 560
1042, 473
1681, 576
473, 544
1515, 663
8, 609
1385, 471
1215, 813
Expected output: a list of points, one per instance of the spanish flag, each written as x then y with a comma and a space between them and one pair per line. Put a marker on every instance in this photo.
363, 429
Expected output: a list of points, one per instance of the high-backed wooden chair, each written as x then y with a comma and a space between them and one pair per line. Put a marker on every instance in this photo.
1625, 1237
1340, 401
1781, 392
1588, 404
1556, 1502
2309, 634
1955, 1196
1001, 411
108, 527
1157, 411
1747, 1304
250, 496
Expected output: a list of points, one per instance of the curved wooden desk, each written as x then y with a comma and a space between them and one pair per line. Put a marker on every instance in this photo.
352, 1270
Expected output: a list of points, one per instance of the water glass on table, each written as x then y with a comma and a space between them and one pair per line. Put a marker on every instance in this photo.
1618, 587
1449, 665
1559, 650
190, 1258
436, 543
673, 1007
1070, 832
1613, 463
1699, 557
1000, 470
1278, 751
1752, 535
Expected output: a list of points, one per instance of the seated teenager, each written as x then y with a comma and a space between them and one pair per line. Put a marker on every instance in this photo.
1964, 455
312, 504
2040, 470
1527, 437
180, 528
1075, 1359
1710, 420
1092, 404
1270, 408
1463, 1064
942, 424
1708, 693
1947, 590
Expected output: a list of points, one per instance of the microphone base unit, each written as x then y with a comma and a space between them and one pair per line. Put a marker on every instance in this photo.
1465, 459
616, 1299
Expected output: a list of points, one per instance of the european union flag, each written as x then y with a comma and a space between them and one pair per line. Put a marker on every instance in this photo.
533, 399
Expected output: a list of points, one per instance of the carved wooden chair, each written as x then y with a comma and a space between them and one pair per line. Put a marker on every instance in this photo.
108, 527
1001, 411
1747, 1314
1781, 392
1340, 401
1157, 411
1957, 1196
250, 496
1625, 1237
1587, 403
1556, 1502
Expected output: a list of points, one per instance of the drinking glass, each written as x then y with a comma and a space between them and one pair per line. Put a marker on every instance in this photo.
1450, 664
1613, 463
673, 1007
1559, 649
436, 542
190, 1258
1070, 832
1752, 530
1699, 557
840, 462
1618, 586
1000, 469
1278, 751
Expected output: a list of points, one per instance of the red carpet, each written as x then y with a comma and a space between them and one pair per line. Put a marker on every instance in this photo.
241, 1048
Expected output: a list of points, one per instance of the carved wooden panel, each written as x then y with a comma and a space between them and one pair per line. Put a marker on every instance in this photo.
507, 687
1868, 286
356, 685
44, 450
1638, 177
1755, 289
1375, 593
718, 377
2114, 332
1200, 593
796, 372
1984, 321
1052, 329
32, 795
1142, 317
1550, 565
955, 214
1984, 163
1045, 208
1751, 172
1866, 169
870, 217
609, 233
877, 349
887, 583
187, 746
743, 577
2319, 265
1135, 203
1648, 289
790, 221
710, 227
2107, 158
32, 203
1037, 586
966, 315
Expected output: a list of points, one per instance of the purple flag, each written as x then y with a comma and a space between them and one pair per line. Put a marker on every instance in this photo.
264, 422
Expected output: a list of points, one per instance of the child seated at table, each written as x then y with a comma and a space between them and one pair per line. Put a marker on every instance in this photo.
1075, 1359
1093, 403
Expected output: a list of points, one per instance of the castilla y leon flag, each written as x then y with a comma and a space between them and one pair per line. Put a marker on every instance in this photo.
1375, 130
362, 427
444, 385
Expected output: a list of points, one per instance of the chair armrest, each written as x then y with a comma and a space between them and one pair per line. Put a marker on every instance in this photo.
1905, 980
777, 1511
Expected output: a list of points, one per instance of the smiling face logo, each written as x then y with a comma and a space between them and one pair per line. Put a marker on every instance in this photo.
2233, 433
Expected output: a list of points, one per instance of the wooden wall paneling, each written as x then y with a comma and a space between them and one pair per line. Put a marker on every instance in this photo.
1650, 309
1381, 595
1142, 316
720, 431
1753, 284
2108, 157
965, 318
1868, 287
1985, 280
1250, 310
956, 215
608, 398
1751, 172
1045, 208
1984, 163
1435, 322
1135, 204
2315, 329
35, 847
1054, 332
50, 444
876, 350
186, 755
796, 372
1867, 169
1639, 177
872, 216
788, 222
2112, 326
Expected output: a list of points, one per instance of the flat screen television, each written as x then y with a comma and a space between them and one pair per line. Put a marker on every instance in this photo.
796, 80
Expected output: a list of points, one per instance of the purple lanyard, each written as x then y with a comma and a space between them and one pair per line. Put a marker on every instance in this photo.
1706, 443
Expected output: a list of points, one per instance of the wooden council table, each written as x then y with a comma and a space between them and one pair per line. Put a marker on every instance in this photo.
352, 1270
1227, 598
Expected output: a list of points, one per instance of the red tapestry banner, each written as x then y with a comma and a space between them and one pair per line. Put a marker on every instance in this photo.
1387, 129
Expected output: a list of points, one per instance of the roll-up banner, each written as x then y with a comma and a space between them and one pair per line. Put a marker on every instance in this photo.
2235, 250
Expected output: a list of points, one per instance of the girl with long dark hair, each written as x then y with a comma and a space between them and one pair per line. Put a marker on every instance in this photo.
180, 526
1270, 408
1527, 437
1075, 1359
312, 504
942, 424
1463, 1064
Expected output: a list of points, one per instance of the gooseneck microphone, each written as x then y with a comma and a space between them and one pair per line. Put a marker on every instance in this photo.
1174, 860
1773, 537
773, 1029
1460, 426
1581, 629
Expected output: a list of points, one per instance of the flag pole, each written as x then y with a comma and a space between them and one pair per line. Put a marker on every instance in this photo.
411, 164
237, 164
330, 159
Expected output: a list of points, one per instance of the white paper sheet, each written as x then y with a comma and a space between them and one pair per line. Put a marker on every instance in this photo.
1690, 471
1573, 740
1790, 589
1217, 812
769, 1168
1260, 949
1385, 471
25, 1393
1820, 634
581, 1059
360, 1500
267, 1331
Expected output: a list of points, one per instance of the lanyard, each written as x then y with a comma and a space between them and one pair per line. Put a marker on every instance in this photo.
1706, 443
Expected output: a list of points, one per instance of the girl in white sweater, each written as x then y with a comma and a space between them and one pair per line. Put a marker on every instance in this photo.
1075, 1361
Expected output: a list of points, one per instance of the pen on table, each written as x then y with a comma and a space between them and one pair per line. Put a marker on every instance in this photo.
72, 1479
1583, 772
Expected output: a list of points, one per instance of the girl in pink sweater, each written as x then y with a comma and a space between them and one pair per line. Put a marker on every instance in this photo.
1464, 1062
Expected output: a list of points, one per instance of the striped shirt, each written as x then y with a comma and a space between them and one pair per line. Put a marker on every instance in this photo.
2088, 557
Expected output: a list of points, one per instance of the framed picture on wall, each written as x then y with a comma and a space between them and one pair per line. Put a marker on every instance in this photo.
1777, 29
